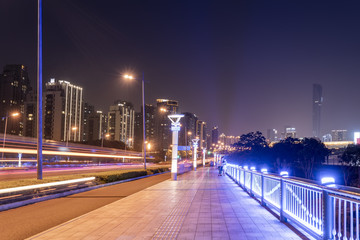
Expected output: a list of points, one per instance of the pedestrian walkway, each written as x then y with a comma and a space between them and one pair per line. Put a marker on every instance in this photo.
200, 205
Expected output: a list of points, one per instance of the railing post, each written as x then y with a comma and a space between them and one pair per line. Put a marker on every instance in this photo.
244, 185
328, 215
251, 183
262, 190
237, 174
282, 200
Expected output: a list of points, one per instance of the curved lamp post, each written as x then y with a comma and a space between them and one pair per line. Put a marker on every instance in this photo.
204, 154
175, 128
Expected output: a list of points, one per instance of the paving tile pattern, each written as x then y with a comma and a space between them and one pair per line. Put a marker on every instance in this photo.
200, 205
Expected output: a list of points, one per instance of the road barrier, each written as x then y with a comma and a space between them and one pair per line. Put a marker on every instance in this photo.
326, 211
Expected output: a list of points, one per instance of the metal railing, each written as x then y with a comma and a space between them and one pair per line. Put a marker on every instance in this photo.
325, 212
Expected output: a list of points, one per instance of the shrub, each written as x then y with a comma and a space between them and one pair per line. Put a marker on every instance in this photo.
118, 176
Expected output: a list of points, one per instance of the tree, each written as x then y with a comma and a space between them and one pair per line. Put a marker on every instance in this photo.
251, 140
286, 153
313, 153
350, 159
251, 149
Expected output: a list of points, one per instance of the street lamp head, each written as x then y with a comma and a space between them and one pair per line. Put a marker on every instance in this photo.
15, 114
189, 133
107, 135
74, 128
128, 76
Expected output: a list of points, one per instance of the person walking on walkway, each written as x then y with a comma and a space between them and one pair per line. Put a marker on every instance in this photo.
223, 166
220, 166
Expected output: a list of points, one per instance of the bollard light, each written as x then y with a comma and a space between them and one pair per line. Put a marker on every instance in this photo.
284, 174
328, 181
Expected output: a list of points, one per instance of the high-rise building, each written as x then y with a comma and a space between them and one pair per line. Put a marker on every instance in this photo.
164, 107
14, 86
30, 116
138, 132
339, 135
290, 132
121, 120
88, 111
94, 124
222, 139
208, 141
149, 123
272, 135
317, 102
188, 129
201, 133
63, 112
327, 138
149, 127
215, 135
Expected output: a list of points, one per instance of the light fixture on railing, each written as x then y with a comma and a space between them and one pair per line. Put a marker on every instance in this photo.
264, 170
246, 167
328, 181
253, 169
284, 174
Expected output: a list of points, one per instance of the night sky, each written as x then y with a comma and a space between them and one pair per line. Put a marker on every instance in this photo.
241, 65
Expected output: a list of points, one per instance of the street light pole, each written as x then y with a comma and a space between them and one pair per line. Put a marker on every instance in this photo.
5, 130
195, 145
175, 128
143, 113
143, 106
102, 140
39, 94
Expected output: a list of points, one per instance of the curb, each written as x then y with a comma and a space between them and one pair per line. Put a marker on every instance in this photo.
64, 194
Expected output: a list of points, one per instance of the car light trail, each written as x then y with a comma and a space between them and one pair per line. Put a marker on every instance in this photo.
16, 189
61, 153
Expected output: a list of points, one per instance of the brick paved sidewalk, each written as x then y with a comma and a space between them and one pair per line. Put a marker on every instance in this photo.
200, 205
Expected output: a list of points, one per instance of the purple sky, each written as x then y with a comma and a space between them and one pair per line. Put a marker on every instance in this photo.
241, 65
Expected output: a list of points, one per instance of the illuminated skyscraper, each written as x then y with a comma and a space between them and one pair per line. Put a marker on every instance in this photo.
272, 135
201, 133
164, 107
317, 102
339, 135
290, 132
121, 120
215, 135
63, 111
188, 128
14, 86
94, 124
149, 127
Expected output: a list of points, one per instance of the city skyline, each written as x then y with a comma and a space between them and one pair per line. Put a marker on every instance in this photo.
243, 68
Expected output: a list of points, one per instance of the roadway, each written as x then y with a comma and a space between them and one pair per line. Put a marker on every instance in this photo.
15, 174
26, 221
